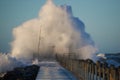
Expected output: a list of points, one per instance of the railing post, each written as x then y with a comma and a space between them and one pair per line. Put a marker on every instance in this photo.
68, 63
71, 65
84, 70
108, 73
99, 70
85, 65
77, 68
74, 66
90, 62
118, 73
83, 61
96, 73
113, 75
88, 70
81, 69
93, 70
104, 71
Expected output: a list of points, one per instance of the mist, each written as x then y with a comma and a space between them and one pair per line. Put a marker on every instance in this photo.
54, 31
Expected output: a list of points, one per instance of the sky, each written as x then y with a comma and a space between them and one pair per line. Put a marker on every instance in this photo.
101, 19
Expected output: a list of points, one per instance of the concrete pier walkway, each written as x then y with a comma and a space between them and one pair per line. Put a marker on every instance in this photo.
53, 71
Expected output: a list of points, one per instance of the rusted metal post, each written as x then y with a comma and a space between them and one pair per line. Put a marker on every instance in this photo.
107, 73
118, 73
90, 69
93, 71
71, 65
80, 69
74, 66
87, 70
96, 73
104, 71
99, 69
113, 75
77, 68
84, 69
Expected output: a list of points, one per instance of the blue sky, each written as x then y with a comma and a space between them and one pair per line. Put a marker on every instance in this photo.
101, 18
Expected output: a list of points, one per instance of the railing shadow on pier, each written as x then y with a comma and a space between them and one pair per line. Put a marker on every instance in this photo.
88, 70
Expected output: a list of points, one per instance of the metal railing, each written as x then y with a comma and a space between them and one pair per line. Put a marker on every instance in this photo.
88, 70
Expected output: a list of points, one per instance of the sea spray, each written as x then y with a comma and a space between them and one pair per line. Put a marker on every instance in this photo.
56, 28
